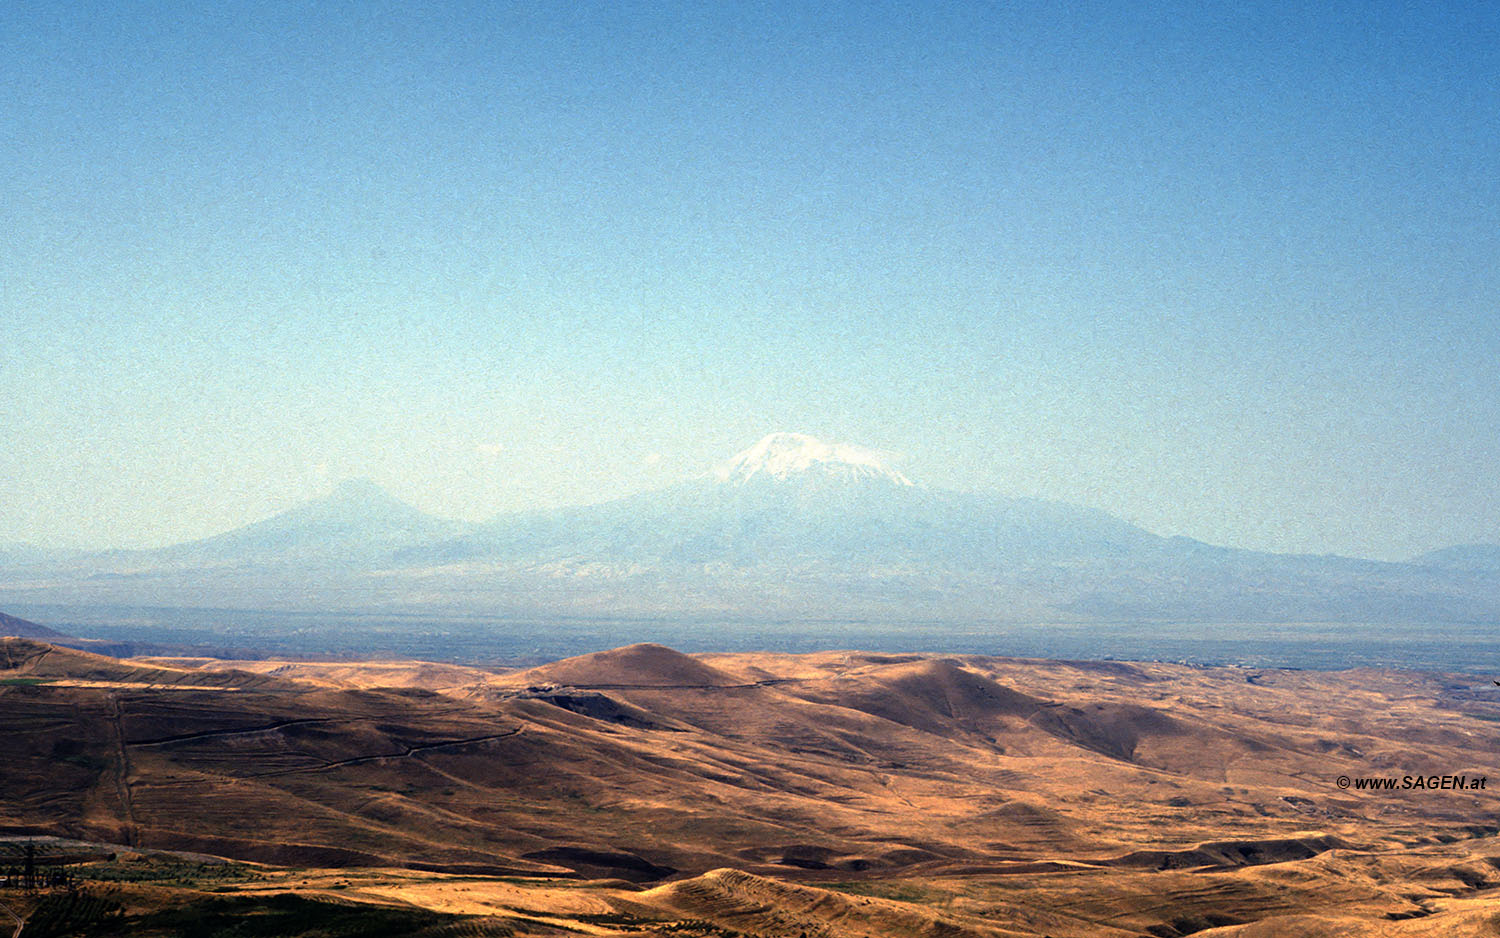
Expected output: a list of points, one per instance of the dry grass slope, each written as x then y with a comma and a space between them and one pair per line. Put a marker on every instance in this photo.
837, 793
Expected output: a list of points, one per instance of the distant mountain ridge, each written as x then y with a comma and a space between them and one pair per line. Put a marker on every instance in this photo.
790, 527
1473, 558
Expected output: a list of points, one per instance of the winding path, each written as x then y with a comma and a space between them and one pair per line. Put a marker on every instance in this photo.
244, 731
20, 922
405, 753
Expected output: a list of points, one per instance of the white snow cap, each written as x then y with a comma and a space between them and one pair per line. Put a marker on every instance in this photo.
782, 456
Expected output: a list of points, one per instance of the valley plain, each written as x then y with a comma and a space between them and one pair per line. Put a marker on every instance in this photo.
644, 791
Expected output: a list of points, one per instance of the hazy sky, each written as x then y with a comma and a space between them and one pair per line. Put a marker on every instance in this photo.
1226, 270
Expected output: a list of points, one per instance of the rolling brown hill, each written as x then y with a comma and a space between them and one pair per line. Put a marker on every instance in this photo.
634, 666
836, 793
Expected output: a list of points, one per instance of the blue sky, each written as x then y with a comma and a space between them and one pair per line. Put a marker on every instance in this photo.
1226, 272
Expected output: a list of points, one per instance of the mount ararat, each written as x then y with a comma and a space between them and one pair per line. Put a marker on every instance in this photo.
791, 528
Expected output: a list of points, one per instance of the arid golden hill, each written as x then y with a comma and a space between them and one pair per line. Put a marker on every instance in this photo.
643, 791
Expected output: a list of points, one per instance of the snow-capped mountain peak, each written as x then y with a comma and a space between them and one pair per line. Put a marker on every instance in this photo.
784, 456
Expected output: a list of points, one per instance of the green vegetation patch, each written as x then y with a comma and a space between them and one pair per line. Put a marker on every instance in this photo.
168, 871
25, 681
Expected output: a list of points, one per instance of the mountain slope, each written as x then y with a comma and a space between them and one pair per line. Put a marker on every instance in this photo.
1465, 558
359, 522
791, 501
794, 527
790, 528
21, 628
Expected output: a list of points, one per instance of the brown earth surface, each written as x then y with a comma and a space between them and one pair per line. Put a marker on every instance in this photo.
643, 791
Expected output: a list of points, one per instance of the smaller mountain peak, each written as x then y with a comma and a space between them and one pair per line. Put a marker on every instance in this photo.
361, 487
353, 496
784, 456
358, 494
